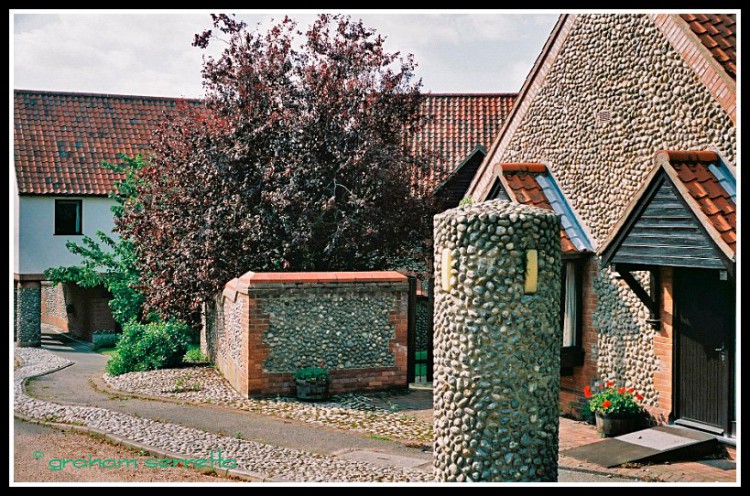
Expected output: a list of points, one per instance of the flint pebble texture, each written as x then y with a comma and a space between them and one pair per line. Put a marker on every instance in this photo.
53, 297
496, 349
617, 93
27, 314
329, 328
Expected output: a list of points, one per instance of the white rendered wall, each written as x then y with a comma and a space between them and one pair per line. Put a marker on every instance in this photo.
38, 248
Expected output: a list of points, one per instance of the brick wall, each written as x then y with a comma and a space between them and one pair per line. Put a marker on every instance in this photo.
663, 348
572, 401
265, 326
89, 308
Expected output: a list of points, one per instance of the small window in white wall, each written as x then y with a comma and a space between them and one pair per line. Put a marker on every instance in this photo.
68, 217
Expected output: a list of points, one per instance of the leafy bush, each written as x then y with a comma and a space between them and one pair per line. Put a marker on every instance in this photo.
294, 161
105, 341
156, 345
613, 400
466, 200
194, 355
312, 375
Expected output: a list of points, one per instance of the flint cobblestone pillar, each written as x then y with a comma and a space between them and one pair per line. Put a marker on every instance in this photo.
27, 313
496, 343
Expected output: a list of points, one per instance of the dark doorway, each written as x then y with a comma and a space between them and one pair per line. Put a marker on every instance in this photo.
704, 338
420, 357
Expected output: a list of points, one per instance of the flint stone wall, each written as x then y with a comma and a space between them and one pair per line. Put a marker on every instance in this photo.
266, 326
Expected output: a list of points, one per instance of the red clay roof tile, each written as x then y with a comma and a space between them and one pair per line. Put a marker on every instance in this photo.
718, 33
61, 139
521, 177
715, 202
455, 125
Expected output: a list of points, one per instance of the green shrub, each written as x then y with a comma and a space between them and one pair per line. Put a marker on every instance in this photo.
466, 200
156, 345
194, 355
312, 375
106, 341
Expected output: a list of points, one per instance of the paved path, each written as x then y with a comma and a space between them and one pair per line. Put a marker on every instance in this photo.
80, 385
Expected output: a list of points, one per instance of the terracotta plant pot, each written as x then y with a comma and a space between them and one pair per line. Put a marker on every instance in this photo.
611, 425
312, 391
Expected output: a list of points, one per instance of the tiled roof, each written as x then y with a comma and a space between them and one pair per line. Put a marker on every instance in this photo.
455, 125
718, 33
61, 139
713, 187
532, 184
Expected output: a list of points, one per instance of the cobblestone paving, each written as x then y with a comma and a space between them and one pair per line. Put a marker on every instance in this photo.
354, 412
271, 461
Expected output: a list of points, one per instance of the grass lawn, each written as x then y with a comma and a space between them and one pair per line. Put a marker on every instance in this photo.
107, 351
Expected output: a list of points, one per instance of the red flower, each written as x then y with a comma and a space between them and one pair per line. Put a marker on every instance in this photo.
587, 392
601, 386
621, 390
606, 404
639, 397
631, 390
610, 383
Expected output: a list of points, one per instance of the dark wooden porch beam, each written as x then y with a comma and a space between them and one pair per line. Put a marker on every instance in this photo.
651, 303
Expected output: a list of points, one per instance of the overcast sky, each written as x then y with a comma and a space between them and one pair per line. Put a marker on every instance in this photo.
150, 54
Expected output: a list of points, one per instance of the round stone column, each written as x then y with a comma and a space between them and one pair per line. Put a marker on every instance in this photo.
497, 343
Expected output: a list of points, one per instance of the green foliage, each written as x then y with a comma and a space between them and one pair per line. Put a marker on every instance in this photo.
108, 262
194, 355
151, 346
312, 375
611, 399
466, 200
106, 342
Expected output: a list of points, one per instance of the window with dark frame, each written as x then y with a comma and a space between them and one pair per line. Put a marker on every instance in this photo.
570, 315
68, 217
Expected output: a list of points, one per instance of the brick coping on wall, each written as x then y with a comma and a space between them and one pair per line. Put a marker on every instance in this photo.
320, 277
283, 279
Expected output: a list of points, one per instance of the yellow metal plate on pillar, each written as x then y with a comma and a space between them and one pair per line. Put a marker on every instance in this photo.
447, 264
532, 268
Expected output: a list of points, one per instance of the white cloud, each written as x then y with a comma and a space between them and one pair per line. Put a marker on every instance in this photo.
151, 54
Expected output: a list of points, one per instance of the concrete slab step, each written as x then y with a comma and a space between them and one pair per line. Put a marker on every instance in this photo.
654, 445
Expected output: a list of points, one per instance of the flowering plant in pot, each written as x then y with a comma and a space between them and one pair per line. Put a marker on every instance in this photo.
616, 408
312, 383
